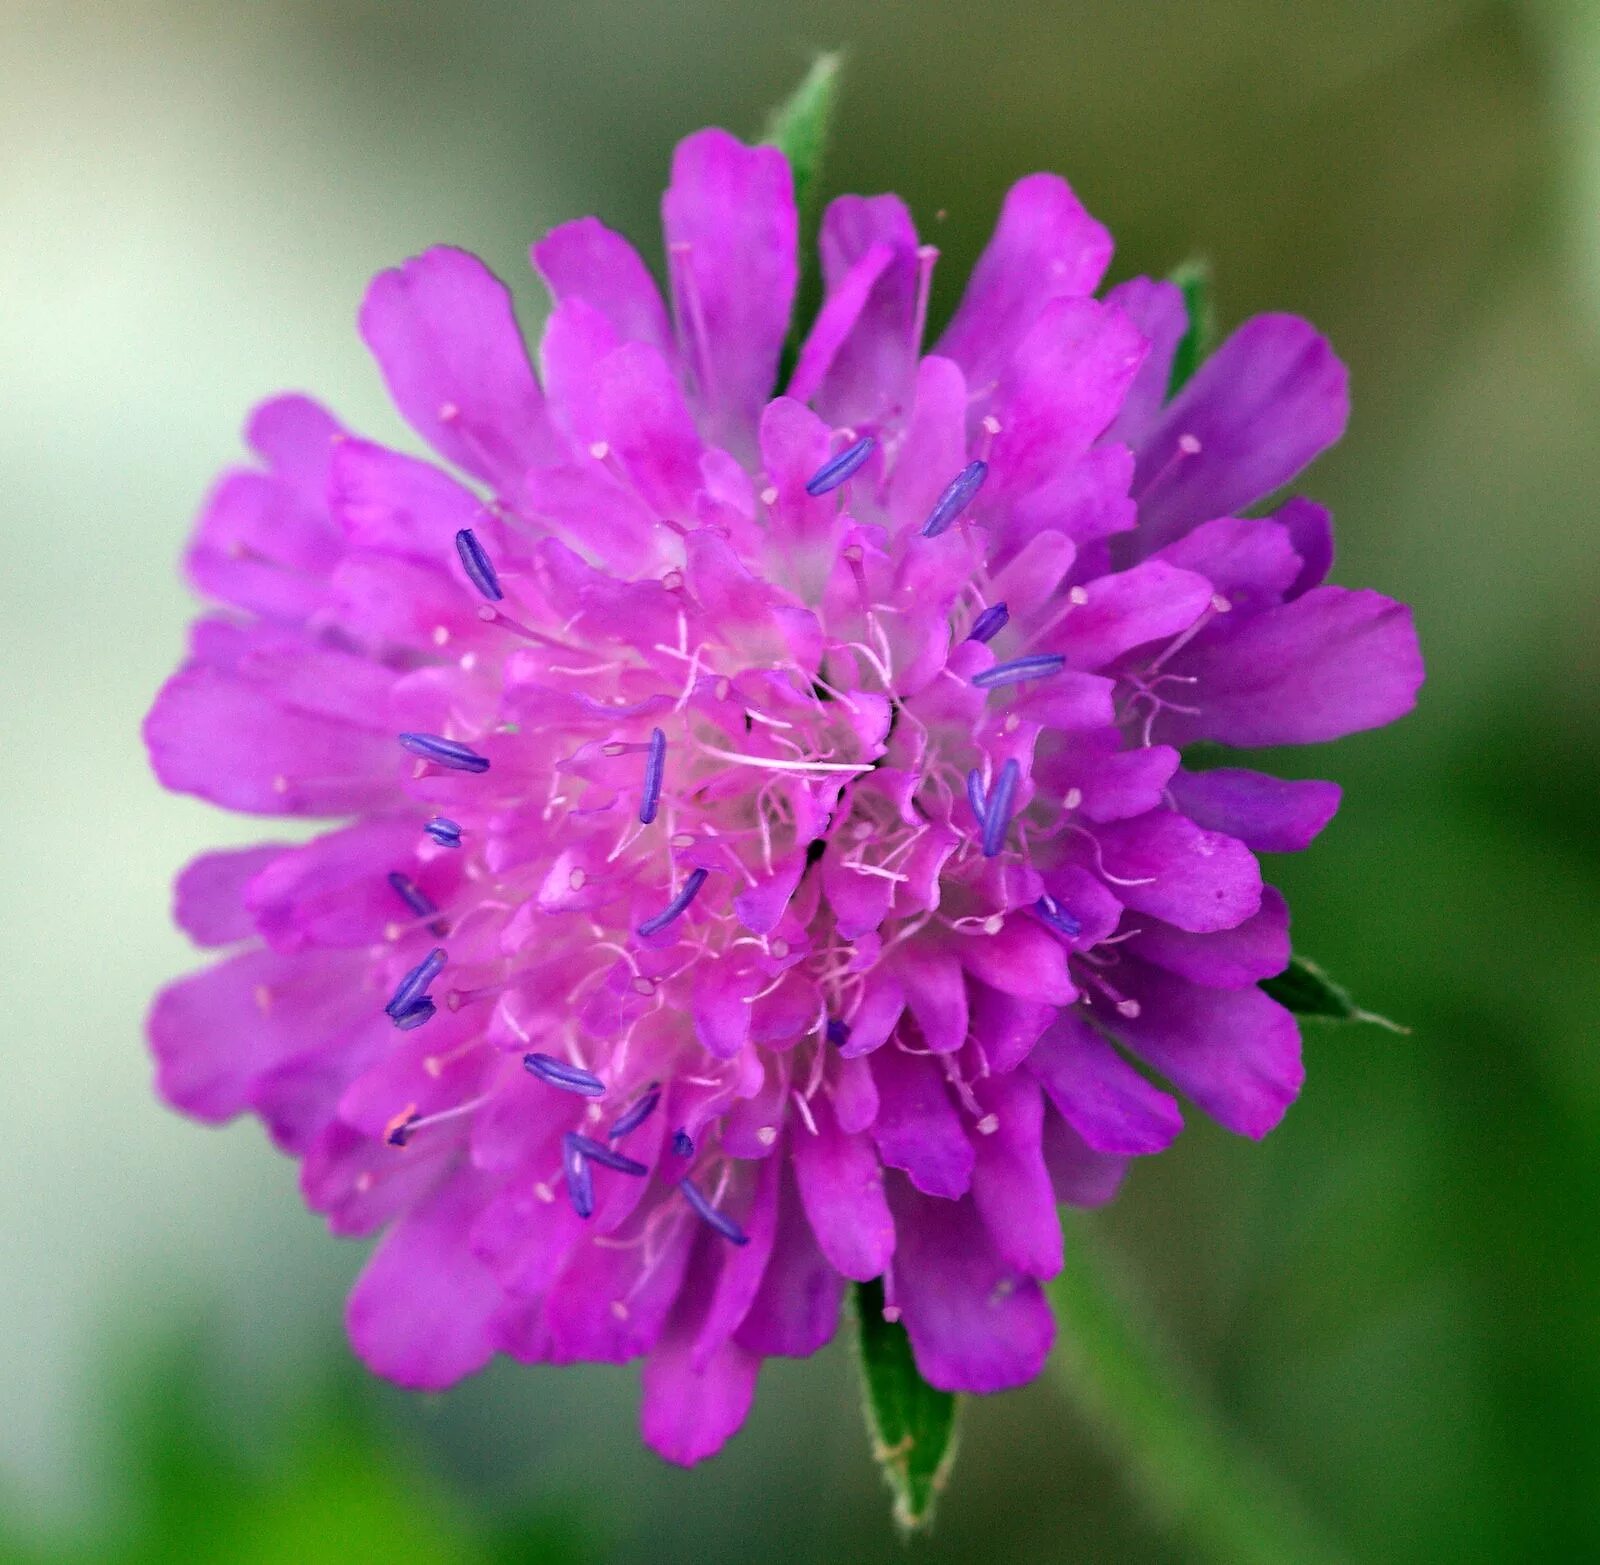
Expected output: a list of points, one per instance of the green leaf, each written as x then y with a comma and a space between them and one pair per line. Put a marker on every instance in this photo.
798, 128
1308, 991
912, 1426
1194, 278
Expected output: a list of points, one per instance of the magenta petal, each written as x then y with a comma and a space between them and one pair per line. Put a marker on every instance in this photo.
1007, 1027
1158, 310
1060, 389
975, 1324
723, 990
918, 1128
1229, 959
586, 260
1105, 1100
1011, 1185
335, 891
1234, 1051
1261, 407
420, 1312
836, 320
1162, 863
444, 333
1331, 663
1079, 1175
1128, 609
1250, 560
691, 1405
1311, 532
731, 232
1022, 959
208, 895
1267, 814
882, 1001
841, 1187
935, 994
579, 1310
871, 372
739, 1268
796, 1309
1044, 246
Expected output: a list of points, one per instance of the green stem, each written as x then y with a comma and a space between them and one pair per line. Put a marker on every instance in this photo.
1193, 1473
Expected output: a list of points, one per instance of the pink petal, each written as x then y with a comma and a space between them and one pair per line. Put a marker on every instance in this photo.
1062, 386
871, 373
1045, 246
420, 1312
230, 742
586, 260
208, 895
444, 333
1261, 407
731, 232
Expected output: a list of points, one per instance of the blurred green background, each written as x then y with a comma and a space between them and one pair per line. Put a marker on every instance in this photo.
1393, 1300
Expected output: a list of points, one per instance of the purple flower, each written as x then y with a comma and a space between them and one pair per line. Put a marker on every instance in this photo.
800, 910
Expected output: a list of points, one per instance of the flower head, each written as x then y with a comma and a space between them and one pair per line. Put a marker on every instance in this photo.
770, 839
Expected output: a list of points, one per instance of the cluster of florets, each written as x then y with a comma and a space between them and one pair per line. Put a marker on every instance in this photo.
772, 857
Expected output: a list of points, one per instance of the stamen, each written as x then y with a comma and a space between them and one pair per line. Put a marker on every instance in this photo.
682, 1143
838, 468
998, 820
599, 1152
419, 1011
1035, 666
398, 1131
990, 623
655, 766
775, 764
632, 1118
956, 498
838, 1033
445, 752
709, 1215
444, 831
676, 907
415, 984
926, 256
580, 1181
412, 895
570, 1078
975, 797
476, 563
1051, 913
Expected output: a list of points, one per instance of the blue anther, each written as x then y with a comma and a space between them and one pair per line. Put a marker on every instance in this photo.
838, 468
